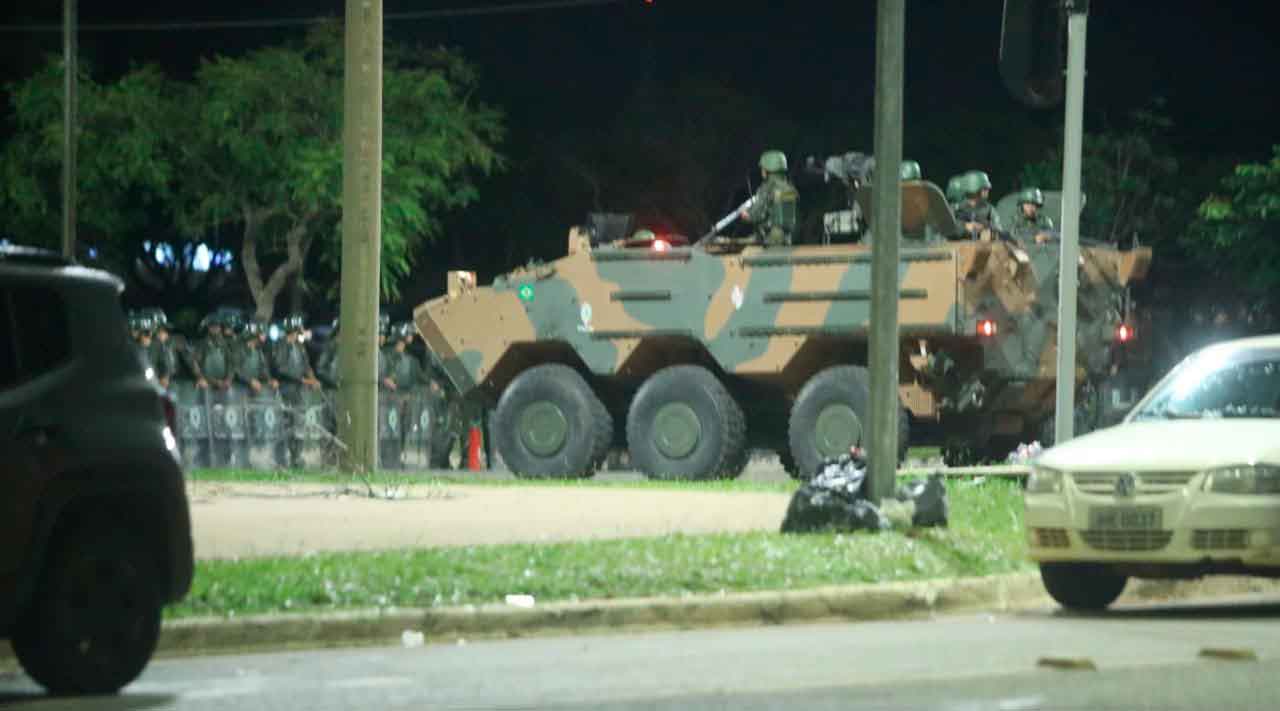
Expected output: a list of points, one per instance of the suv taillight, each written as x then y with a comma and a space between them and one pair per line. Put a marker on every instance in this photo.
170, 412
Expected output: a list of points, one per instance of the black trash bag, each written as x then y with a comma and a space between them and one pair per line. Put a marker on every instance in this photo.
834, 500
930, 499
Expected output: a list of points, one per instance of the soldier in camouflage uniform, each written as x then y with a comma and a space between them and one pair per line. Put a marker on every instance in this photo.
292, 367
774, 210
975, 212
327, 365
253, 366
1030, 225
165, 350
211, 359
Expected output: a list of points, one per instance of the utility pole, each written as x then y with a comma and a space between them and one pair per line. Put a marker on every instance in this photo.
69, 128
886, 229
361, 237
1064, 410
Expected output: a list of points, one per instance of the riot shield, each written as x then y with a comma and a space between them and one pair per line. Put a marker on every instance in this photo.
230, 428
192, 410
391, 406
265, 412
308, 436
423, 418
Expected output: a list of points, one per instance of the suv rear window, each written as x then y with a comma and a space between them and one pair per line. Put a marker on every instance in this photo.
35, 333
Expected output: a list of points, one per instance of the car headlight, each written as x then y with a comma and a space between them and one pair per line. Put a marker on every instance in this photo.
1044, 481
1256, 479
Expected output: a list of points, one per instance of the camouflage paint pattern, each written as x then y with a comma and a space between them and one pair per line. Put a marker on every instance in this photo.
777, 316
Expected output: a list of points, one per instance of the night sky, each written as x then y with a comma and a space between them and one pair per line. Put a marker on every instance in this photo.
557, 71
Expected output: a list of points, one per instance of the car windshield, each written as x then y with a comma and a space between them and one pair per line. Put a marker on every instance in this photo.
1213, 384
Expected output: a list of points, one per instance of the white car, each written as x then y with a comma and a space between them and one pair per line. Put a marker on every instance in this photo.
1187, 485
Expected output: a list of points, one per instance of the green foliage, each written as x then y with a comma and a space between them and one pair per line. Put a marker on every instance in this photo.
253, 145
1242, 223
1130, 177
125, 162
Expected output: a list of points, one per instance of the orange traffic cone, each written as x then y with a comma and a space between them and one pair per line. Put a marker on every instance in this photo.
473, 449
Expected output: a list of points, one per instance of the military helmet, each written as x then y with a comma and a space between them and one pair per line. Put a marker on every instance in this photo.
402, 330
293, 323
773, 161
210, 320
1031, 195
384, 324
252, 330
976, 181
644, 234
910, 170
158, 317
955, 188
144, 324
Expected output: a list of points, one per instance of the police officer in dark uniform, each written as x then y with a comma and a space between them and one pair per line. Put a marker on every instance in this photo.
211, 358
165, 351
253, 365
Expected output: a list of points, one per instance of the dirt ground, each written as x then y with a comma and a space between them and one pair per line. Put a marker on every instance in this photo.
249, 520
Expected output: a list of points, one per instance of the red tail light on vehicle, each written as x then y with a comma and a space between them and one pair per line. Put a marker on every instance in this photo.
170, 412
1125, 333
987, 328
661, 245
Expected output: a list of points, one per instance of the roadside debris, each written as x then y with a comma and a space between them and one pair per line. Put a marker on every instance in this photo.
835, 500
412, 638
525, 601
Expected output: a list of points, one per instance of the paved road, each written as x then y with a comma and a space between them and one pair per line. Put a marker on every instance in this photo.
1146, 657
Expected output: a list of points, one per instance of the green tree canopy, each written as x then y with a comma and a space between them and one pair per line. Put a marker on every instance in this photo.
1241, 224
1130, 178
252, 146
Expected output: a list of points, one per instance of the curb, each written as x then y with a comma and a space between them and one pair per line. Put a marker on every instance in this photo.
851, 603
880, 601
374, 627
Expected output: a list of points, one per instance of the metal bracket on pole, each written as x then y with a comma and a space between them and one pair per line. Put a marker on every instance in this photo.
1064, 409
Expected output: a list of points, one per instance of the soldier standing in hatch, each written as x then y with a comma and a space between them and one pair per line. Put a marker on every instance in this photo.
774, 211
975, 212
292, 367
1030, 225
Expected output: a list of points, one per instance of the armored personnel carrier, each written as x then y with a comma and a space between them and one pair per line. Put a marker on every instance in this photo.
690, 356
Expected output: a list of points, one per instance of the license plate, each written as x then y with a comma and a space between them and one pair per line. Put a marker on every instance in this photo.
1125, 519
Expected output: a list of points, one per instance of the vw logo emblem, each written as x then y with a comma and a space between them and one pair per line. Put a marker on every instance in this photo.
1127, 484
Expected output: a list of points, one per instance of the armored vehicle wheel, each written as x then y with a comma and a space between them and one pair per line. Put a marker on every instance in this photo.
829, 416
96, 617
684, 424
788, 463
548, 423
1082, 586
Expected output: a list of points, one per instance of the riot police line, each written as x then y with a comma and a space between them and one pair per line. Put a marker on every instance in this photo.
235, 428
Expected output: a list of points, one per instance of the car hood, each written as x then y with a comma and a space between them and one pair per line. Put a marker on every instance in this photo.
1169, 445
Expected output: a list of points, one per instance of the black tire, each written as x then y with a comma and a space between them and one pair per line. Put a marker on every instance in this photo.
1082, 586
603, 441
95, 619
788, 463
548, 423
692, 394
846, 387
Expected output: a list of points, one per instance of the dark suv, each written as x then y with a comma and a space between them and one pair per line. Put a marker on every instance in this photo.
93, 509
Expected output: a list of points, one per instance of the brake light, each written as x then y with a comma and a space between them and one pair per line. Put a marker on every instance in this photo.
661, 245
1125, 333
987, 328
170, 412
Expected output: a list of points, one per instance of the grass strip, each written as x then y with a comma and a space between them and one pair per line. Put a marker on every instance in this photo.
985, 537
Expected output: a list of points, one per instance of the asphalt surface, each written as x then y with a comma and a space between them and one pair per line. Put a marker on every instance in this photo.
1142, 657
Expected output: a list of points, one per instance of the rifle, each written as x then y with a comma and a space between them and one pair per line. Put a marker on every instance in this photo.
727, 220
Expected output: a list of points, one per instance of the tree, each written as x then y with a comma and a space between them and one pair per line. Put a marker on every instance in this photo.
248, 157
125, 163
263, 154
1130, 178
1242, 224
